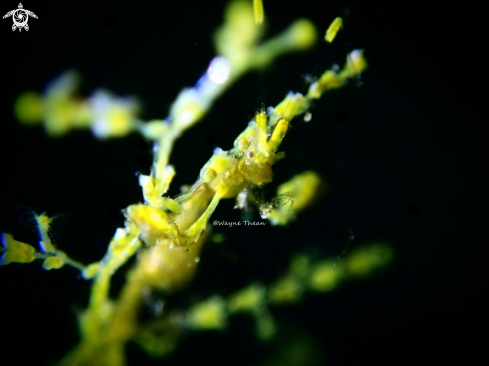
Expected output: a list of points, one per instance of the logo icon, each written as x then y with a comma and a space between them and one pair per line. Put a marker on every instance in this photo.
20, 17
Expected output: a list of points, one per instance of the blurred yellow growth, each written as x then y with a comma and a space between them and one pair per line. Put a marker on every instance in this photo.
43, 227
237, 39
363, 261
53, 263
209, 314
290, 288
333, 30
265, 326
158, 343
299, 266
304, 189
258, 11
54, 258
61, 110
286, 290
28, 108
252, 300
91, 270
293, 105
112, 116
355, 64
325, 276
16, 251
248, 299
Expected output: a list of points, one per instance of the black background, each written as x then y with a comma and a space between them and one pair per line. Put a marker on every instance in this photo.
405, 157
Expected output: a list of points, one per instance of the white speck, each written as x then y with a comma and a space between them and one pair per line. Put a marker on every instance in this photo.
187, 117
356, 55
241, 199
218, 71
